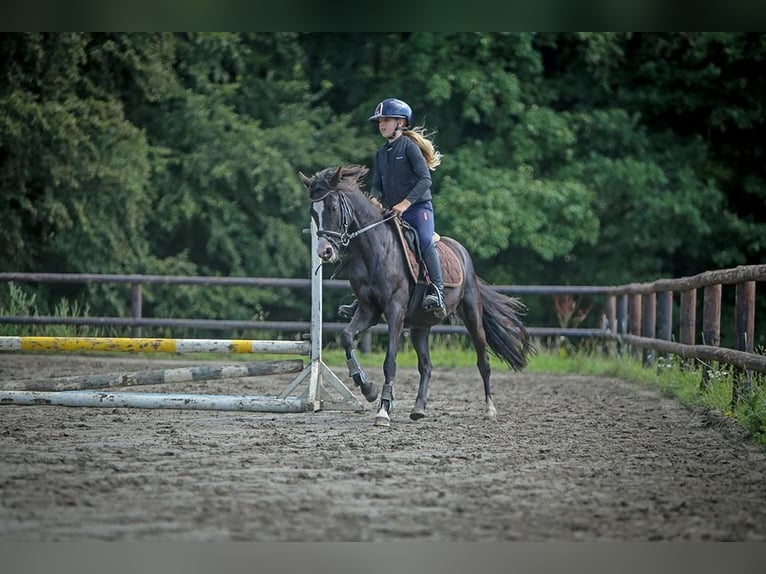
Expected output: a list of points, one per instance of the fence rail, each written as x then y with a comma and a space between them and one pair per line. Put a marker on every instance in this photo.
136, 321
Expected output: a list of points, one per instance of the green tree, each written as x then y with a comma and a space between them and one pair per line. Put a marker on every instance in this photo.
75, 170
568, 157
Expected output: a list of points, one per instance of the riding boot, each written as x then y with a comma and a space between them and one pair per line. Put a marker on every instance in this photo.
347, 311
434, 300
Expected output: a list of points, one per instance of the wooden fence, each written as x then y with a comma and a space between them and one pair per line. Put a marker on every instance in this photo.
643, 316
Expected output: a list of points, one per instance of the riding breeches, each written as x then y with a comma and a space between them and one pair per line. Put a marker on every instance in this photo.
421, 217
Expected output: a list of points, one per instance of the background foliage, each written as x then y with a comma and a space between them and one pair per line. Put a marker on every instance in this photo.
590, 158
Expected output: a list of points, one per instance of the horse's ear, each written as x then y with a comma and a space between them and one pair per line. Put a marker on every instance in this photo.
306, 181
336, 178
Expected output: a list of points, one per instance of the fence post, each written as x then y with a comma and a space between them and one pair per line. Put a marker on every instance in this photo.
622, 319
665, 320
634, 327
365, 345
611, 313
744, 326
711, 325
688, 327
687, 333
136, 304
649, 325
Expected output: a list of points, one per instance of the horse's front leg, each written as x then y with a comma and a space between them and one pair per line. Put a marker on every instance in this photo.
420, 343
395, 321
363, 319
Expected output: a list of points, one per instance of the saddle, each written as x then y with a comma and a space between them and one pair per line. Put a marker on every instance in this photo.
452, 270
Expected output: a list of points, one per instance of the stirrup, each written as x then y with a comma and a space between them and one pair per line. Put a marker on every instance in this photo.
434, 301
433, 298
347, 311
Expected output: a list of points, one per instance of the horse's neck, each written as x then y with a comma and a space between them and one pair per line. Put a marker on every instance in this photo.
377, 248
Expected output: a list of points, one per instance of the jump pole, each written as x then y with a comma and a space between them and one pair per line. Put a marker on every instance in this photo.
154, 401
155, 377
144, 345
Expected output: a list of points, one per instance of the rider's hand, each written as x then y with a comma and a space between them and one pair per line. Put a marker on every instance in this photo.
401, 207
376, 202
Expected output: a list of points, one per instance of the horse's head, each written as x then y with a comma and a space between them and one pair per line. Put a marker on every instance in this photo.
331, 210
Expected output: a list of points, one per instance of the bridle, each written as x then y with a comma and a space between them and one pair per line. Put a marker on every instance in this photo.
343, 238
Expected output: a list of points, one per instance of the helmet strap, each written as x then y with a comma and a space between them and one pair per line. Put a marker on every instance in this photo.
397, 130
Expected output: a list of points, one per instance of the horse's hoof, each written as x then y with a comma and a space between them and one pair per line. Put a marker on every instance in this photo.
417, 414
382, 422
382, 419
370, 392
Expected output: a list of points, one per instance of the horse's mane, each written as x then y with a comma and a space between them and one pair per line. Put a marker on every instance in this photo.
346, 177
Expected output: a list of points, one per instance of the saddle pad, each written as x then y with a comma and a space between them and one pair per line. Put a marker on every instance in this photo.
452, 270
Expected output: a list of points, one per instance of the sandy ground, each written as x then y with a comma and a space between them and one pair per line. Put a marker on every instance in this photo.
568, 458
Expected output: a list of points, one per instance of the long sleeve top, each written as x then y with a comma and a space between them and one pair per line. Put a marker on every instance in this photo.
401, 172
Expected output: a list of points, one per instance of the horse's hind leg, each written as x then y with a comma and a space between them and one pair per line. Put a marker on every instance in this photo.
420, 342
472, 319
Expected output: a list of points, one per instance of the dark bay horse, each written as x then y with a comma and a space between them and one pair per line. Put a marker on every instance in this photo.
379, 276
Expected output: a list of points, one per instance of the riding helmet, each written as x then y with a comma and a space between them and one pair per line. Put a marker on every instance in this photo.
392, 108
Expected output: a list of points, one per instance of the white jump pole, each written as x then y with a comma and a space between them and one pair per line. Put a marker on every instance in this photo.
154, 401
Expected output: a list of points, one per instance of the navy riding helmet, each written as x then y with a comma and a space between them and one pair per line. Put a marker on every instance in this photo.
392, 108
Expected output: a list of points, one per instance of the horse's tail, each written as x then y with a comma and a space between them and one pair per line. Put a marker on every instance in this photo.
507, 336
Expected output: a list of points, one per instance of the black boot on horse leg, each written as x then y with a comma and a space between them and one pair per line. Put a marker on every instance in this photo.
382, 419
434, 299
355, 371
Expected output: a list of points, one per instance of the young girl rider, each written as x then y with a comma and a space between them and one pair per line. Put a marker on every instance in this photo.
402, 183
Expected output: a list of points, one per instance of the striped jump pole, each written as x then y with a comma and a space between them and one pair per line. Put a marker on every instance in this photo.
155, 377
145, 345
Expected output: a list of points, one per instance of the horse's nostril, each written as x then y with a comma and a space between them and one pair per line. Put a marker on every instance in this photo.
325, 253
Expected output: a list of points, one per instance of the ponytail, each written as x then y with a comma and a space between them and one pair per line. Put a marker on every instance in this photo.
422, 139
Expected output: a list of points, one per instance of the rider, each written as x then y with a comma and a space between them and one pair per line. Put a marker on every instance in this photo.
402, 181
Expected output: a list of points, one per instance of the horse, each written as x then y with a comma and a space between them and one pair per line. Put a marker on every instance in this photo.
346, 220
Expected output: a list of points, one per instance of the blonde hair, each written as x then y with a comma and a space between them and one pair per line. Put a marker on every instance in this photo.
422, 139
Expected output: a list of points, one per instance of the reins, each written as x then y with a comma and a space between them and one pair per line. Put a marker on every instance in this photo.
358, 232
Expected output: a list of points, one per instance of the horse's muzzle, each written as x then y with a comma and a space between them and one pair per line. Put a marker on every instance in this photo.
327, 252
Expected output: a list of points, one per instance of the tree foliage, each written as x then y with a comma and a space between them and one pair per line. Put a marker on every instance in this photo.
568, 158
